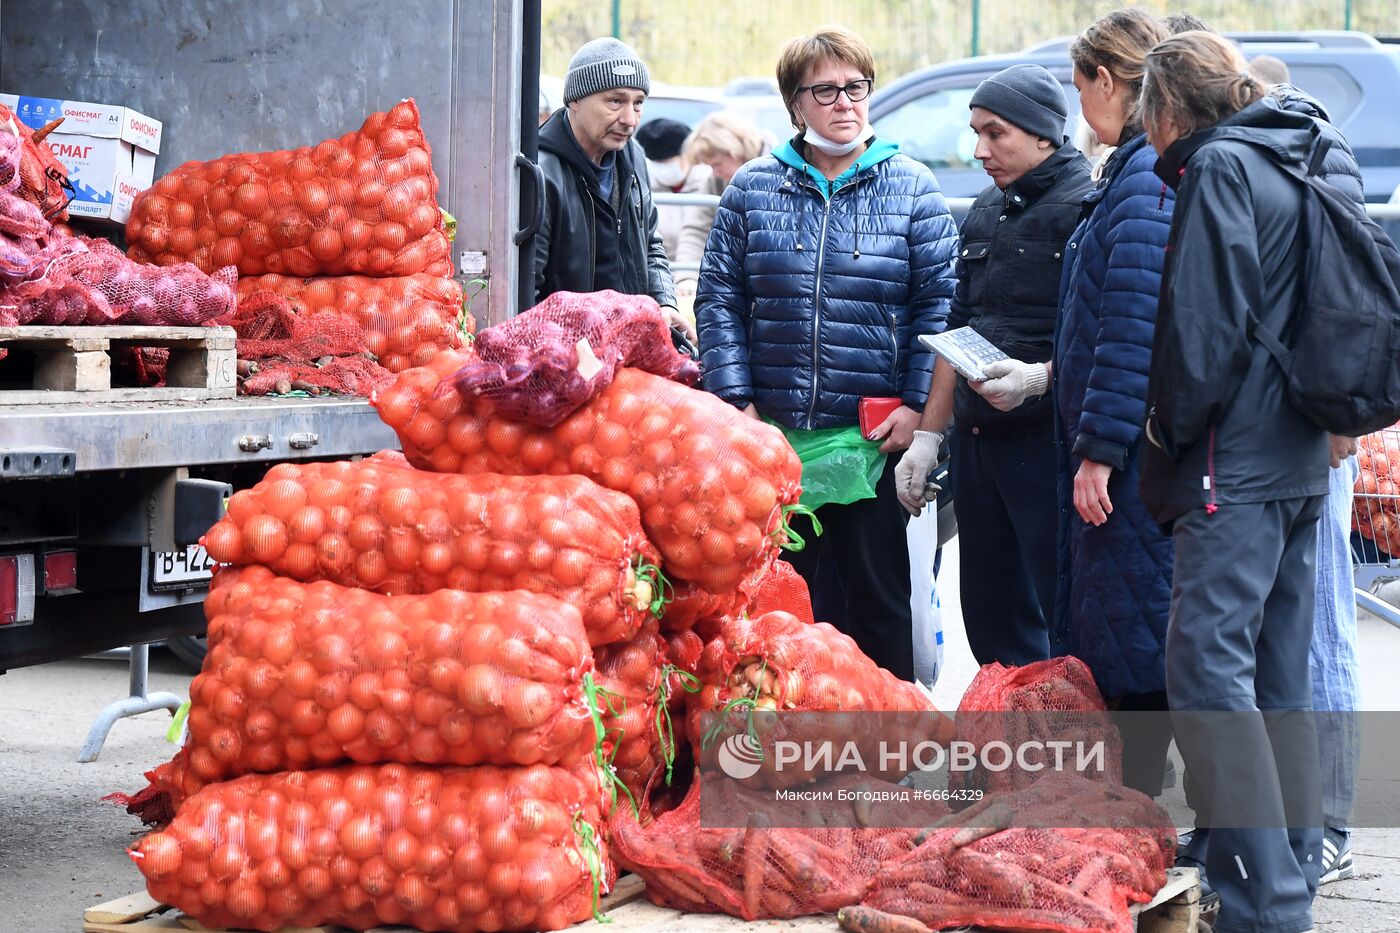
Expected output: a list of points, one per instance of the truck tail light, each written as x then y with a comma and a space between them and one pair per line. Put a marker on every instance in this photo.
16, 588
9, 590
60, 571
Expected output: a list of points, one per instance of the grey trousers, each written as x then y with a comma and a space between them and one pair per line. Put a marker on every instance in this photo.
1237, 644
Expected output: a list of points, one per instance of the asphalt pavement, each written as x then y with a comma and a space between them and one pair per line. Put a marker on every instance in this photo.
62, 849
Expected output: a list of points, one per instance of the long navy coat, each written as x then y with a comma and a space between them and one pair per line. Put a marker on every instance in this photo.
1114, 592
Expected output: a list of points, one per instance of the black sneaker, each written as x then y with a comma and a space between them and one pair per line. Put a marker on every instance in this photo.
1191, 853
1336, 856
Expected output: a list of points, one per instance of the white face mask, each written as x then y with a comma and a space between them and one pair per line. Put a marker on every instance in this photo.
667, 174
837, 149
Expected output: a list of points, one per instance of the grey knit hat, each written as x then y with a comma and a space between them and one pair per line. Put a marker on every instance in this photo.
1028, 96
602, 65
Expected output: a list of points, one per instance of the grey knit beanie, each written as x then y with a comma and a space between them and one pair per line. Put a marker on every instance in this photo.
602, 65
1028, 96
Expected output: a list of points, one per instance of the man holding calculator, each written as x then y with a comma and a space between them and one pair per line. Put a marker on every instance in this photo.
1003, 461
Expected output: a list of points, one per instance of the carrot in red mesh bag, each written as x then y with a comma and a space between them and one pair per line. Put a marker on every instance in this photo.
308, 675
969, 870
776, 663
1035, 703
754, 871
542, 365
362, 204
281, 351
714, 487
455, 849
381, 525
20, 218
43, 179
405, 320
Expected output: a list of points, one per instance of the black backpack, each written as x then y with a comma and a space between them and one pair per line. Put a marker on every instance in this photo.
1342, 360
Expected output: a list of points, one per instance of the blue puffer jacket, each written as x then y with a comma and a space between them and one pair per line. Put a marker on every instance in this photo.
1115, 579
812, 293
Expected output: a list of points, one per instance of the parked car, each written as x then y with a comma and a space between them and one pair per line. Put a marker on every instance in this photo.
689, 104
1355, 77
684, 104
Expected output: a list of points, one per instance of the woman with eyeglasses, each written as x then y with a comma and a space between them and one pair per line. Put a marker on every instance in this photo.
826, 261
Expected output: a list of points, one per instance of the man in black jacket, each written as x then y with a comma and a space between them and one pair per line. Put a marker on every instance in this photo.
599, 227
1003, 462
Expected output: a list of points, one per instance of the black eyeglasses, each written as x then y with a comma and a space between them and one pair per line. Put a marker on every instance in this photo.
826, 94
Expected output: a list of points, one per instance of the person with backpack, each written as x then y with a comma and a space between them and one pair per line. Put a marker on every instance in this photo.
1332, 658
1237, 473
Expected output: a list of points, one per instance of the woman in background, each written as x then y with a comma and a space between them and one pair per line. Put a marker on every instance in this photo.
722, 142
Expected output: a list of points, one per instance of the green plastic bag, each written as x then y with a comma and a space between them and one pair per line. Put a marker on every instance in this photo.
838, 465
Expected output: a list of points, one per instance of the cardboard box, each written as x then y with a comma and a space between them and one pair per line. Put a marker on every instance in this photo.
110, 152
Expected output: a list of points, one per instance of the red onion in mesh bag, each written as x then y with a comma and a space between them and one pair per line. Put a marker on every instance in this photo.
541, 366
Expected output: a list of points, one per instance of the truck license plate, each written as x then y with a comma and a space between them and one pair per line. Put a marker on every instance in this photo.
173, 569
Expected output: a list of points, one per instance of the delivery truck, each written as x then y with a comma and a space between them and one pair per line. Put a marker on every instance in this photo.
105, 494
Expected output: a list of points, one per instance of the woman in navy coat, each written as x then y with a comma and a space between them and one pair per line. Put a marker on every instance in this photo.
1115, 564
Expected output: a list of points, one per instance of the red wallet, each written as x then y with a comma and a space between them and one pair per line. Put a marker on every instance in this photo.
873, 412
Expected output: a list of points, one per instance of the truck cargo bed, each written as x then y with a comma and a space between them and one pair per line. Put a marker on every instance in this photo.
146, 434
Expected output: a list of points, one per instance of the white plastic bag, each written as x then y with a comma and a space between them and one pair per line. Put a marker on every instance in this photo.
923, 598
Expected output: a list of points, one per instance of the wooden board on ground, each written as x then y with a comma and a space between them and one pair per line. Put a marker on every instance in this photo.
1175, 909
74, 364
141, 913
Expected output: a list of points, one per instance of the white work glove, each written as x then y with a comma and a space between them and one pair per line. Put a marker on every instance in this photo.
1008, 383
911, 480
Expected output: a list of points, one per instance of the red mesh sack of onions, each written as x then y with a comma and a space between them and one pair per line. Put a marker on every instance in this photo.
308, 675
452, 849
714, 487
637, 739
363, 204
775, 665
405, 320
384, 526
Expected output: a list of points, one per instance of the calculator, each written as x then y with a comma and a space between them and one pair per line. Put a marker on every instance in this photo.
965, 350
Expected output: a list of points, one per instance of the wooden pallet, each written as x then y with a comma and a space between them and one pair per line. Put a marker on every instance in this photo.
1175, 909
74, 364
141, 913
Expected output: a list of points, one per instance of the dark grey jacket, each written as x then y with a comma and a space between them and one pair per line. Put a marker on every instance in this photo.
1220, 426
585, 244
1339, 168
1011, 253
